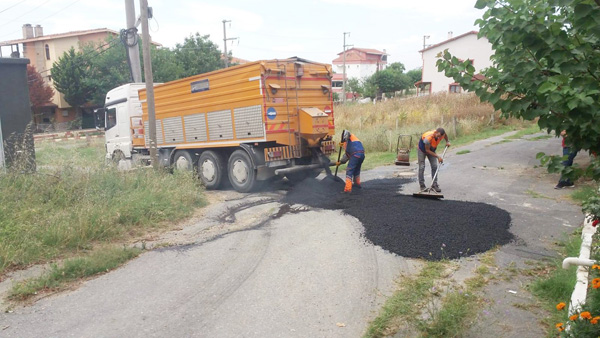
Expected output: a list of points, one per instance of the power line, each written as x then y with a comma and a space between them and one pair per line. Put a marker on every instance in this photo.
42, 20
9, 7
287, 37
13, 20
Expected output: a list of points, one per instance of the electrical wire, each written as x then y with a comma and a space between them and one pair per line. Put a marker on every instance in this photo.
18, 17
40, 21
9, 7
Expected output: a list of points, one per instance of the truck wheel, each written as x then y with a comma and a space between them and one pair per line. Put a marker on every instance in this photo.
211, 169
241, 171
117, 156
183, 161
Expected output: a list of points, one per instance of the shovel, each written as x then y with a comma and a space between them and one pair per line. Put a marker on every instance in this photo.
335, 177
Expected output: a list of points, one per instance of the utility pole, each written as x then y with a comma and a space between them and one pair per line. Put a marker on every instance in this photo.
425, 37
149, 82
344, 78
225, 39
132, 42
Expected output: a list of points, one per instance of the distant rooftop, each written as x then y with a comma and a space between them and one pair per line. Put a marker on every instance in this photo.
58, 36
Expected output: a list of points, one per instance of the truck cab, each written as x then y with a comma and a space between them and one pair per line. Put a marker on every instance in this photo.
123, 112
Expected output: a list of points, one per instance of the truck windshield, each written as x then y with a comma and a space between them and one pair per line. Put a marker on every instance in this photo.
111, 118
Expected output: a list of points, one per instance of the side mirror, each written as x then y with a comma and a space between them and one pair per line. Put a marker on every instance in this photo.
99, 118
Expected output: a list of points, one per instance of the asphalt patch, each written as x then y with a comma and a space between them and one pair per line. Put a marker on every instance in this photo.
408, 226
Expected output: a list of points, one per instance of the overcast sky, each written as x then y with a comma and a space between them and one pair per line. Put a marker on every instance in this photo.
266, 29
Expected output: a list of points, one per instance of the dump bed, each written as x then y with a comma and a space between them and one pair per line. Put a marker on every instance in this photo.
282, 103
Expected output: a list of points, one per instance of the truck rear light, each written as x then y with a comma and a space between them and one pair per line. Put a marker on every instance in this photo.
327, 110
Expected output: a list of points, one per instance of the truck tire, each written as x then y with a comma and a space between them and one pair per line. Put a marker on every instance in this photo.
211, 169
183, 161
117, 156
241, 171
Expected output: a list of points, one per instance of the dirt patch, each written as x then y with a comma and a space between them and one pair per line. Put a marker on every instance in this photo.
409, 226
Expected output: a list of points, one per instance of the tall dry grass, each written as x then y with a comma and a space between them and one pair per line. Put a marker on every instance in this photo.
74, 202
378, 125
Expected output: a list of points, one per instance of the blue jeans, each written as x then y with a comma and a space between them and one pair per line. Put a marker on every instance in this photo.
567, 163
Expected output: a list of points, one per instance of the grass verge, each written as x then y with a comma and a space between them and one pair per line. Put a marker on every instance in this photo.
70, 206
100, 261
554, 284
404, 303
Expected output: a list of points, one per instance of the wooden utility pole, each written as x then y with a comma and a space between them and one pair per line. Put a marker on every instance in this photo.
149, 82
132, 45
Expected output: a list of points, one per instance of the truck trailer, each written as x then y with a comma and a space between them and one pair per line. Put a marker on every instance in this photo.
246, 123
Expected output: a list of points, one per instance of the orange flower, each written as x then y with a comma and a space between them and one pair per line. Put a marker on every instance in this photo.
595, 320
596, 281
596, 286
596, 266
560, 306
586, 315
574, 317
560, 327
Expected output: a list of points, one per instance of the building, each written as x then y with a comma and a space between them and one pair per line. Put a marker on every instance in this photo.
361, 63
465, 46
42, 51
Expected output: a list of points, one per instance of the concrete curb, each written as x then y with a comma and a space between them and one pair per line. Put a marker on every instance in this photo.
581, 286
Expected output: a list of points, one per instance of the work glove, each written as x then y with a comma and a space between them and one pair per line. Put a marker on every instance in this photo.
440, 159
338, 163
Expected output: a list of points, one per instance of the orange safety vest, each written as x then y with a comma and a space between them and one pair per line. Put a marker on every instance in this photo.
433, 142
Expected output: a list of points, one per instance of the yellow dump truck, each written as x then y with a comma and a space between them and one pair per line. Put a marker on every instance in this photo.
245, 123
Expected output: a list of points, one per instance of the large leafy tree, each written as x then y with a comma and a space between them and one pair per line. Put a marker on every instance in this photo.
107, 68
414, 75
165, 66
70, 76
546, 67
391, 79
197, 55
40, 93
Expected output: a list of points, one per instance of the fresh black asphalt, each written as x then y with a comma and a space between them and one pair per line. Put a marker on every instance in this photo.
408, 226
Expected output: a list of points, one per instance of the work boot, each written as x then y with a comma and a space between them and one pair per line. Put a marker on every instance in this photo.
422, 187
436, 188
357, 182
348, 186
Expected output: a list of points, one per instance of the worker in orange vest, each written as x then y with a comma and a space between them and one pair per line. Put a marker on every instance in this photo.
355, 154
427, 145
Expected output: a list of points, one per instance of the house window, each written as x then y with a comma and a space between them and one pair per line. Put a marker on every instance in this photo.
47, 52
336, 84
454, 88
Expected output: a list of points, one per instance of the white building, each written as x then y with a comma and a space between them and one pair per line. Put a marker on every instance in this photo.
465, 47
361, 63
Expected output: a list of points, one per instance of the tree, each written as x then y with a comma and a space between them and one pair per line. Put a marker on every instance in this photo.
354, 86
107, 68
40, 93
198, 55
414, 75
165, 67
546, 67
391, 79
70, 74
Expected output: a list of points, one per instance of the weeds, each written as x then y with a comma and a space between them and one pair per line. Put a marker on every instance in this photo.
74, 202
73, 269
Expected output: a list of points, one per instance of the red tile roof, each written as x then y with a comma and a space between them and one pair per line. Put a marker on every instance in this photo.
449, 40
355, 55
58, 36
